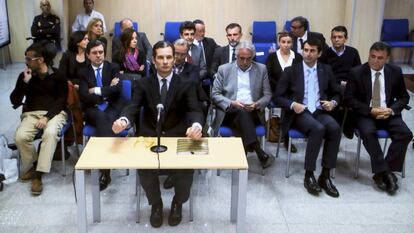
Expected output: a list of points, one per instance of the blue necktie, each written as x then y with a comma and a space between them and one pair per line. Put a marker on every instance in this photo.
311, 91
104, 105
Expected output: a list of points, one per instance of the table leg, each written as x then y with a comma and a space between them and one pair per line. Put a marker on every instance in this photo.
238, 199
96, 198
81, 200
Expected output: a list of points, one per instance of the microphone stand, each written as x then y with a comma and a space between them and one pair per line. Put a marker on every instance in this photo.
159, 148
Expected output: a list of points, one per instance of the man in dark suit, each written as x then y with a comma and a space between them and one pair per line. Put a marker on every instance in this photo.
143, 43
299, 27
195, 53
376, 92
207, 44
99, 92
241, 92
227, 54
46, 26
308, 92
181, 116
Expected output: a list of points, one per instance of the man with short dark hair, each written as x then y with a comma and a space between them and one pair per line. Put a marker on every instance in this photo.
143, 43
44, 91
376, 93
82, 19
227, 54
308, 92
100, 94
299, 27
182, 116
241, 92
195, 53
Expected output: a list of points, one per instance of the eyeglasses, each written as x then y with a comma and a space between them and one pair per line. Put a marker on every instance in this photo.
28, 59
245, 58
296, 27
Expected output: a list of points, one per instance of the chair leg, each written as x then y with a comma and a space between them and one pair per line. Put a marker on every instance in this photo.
138, 194
357, 158
191, 206
218, 172
75, 136
288, 158
403, 170
62, 154
278, 143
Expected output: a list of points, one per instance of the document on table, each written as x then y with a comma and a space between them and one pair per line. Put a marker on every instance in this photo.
192, 147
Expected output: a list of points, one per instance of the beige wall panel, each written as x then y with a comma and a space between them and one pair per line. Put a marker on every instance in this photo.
367, 27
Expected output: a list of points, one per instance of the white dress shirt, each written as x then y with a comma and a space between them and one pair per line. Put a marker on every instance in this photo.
82, 20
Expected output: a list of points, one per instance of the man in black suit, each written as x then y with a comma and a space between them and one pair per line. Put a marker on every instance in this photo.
99, 92
227, 54
181, 116
143, 43
308, 92
376, 92
299, 27
207, 44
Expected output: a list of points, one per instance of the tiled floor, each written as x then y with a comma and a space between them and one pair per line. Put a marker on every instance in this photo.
274, 203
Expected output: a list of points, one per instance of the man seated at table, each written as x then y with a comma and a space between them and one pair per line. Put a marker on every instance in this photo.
241, 92
182, 116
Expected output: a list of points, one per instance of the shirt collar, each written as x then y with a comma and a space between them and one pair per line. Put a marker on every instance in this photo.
95, 68
246, 71
340, 52
169, 77
305, 67
374, 71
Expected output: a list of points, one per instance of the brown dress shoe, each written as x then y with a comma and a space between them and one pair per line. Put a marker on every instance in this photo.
29, 175
37, 186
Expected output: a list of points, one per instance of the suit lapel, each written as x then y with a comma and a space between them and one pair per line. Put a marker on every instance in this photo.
91, 76
172, 89
387, 84
154, 89
301, 80
226, 54
366, 79
321, 78
252, 79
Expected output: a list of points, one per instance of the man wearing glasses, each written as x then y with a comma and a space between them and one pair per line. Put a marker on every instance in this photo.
241, 92
44, 91
299, 27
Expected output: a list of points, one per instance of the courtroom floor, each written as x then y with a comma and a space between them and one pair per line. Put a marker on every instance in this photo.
274, 203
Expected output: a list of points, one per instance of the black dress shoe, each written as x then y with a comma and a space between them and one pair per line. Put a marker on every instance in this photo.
327, 185
389, 180
104, 180
168, 183
378, 178
311, 185
175, 215
292, 147
156, 215
267, 162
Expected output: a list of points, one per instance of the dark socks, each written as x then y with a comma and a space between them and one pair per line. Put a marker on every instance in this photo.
325, 172
260, 153
308, 173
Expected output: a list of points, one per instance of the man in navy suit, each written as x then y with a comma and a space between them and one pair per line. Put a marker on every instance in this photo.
308, 92
227, 54
99, 91
182, 116
300, 30
376, 92
207, 44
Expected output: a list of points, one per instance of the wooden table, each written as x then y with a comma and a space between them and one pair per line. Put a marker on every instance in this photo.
134, 153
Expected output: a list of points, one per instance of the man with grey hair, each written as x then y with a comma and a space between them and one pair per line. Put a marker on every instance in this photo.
142, 44
241, 91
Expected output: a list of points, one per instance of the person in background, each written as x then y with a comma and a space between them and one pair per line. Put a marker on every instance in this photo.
82, 20
95, 32
46, 26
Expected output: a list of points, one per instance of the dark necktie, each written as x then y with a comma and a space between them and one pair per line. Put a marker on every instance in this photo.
301, 43
98, 77
233, 54
163, 91
376, 94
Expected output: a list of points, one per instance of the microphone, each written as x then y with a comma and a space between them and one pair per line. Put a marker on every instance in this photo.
159, 148
160, 108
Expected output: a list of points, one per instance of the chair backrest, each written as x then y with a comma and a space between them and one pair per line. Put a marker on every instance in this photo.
117, 28
172, 31
394, 30
286, 27
264, 32
126, 91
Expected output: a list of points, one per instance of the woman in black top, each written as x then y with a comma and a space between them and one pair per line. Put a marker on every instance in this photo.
95, 31
75, 59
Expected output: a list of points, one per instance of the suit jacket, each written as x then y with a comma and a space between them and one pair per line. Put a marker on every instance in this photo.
198, 60
209, 46
221, 56
180, 110
311, 34
70, 67
111, 94
143, 45
291, 88
274, 69
140, 60
225, 89
358, 92
191, 72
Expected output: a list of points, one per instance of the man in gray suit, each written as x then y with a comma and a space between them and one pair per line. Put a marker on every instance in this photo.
241, 91
195, 54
